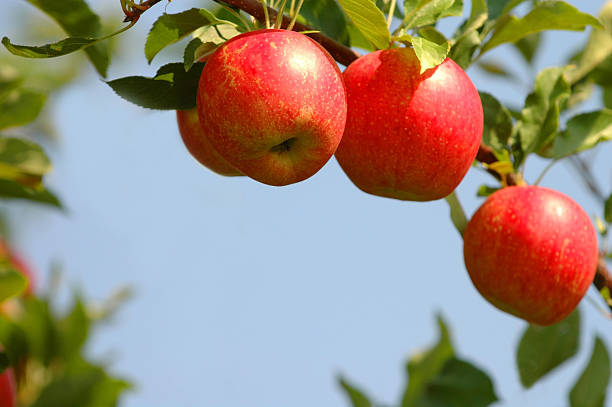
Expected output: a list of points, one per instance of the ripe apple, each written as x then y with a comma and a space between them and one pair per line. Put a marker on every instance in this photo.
8, 389
273, 105
532, 252
408, 135
197, 143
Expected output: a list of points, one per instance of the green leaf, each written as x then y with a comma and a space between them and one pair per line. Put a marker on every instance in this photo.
590, 389
540, 117
494, 68
171, 89
485, 190
14, 190
464, 49
327, 16
546, 15
542, 349
57, 49
19, 107
419, 13
608, 209
170, 28
82, 384
73, 330
12, 282
528, 46
37, 328
583, 131
356, 396
498, 8
607, 97
424, 367
459, 384
77, 20
206, 40
497, 124
22, 161
5, 363
598, 47
428, 52
369, 20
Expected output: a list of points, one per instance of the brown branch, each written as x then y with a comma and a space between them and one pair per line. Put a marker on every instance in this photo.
133, 14
345, 55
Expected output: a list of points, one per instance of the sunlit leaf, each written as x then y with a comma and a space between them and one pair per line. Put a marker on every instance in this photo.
428, 52
590, 389
77, 20
369, 20
540, 117
542, 349
170, 28
170, 89
57, 49
418, 13
485, 190
545, 15
598, 47
206, 40
583, 131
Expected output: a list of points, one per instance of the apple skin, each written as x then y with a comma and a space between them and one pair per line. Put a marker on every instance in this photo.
532, 252
408, 136
197, 143
8, 389
274, 105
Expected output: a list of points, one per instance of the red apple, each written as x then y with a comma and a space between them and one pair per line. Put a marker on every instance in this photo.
19, 263
408, 135
532, 252
273, 104
197, 143
8, 389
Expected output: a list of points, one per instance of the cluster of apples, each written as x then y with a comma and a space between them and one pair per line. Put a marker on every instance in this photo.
273, 105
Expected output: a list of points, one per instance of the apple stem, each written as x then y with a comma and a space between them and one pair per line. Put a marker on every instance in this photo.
544, 171
279, 16
292, 9
391, 12
297, 13
236, 14
264, 5
457, 213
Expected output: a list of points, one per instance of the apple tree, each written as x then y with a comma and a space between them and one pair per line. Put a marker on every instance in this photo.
270, 90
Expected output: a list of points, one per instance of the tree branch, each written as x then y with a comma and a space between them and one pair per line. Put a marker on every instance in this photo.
345, 55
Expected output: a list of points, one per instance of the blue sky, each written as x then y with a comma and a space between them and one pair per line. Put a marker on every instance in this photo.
251, 295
